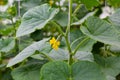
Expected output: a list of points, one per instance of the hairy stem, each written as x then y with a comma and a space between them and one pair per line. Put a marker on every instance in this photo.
77, 8
69, 17
70, 60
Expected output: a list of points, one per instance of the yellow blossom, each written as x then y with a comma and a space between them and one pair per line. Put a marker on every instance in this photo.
55, 44
52, 41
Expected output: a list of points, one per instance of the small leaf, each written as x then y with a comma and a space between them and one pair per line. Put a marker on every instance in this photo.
30, 50
36, 18
55, 71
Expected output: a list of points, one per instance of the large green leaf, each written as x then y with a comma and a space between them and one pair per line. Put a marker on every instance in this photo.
28, 52
27, 72
7, 44
55, 71
101, 30
90, 3
36, 18
85, 70
82, 70
110, 65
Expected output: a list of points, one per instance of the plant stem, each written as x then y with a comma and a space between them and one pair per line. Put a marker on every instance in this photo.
68, 44
70, 60
69, 17
77, 8
78, 46
19, 15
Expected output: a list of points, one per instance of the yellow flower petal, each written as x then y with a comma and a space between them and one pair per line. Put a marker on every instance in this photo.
52, 41
55, 44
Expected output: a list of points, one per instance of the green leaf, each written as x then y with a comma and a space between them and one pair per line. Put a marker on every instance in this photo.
30, 50
6, 75
115, 19
24, 42
62, 18
115, 3
59, 54
36, 18
80, 55
85, 46
84, 18
4, 15
75, 34
7, 45
101, 30
62, 54
27, 72
115, 49
55, 71
56, 55
2, 66
90, 3
85, 70
110, 65
27, 4
7, 31
77, 37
